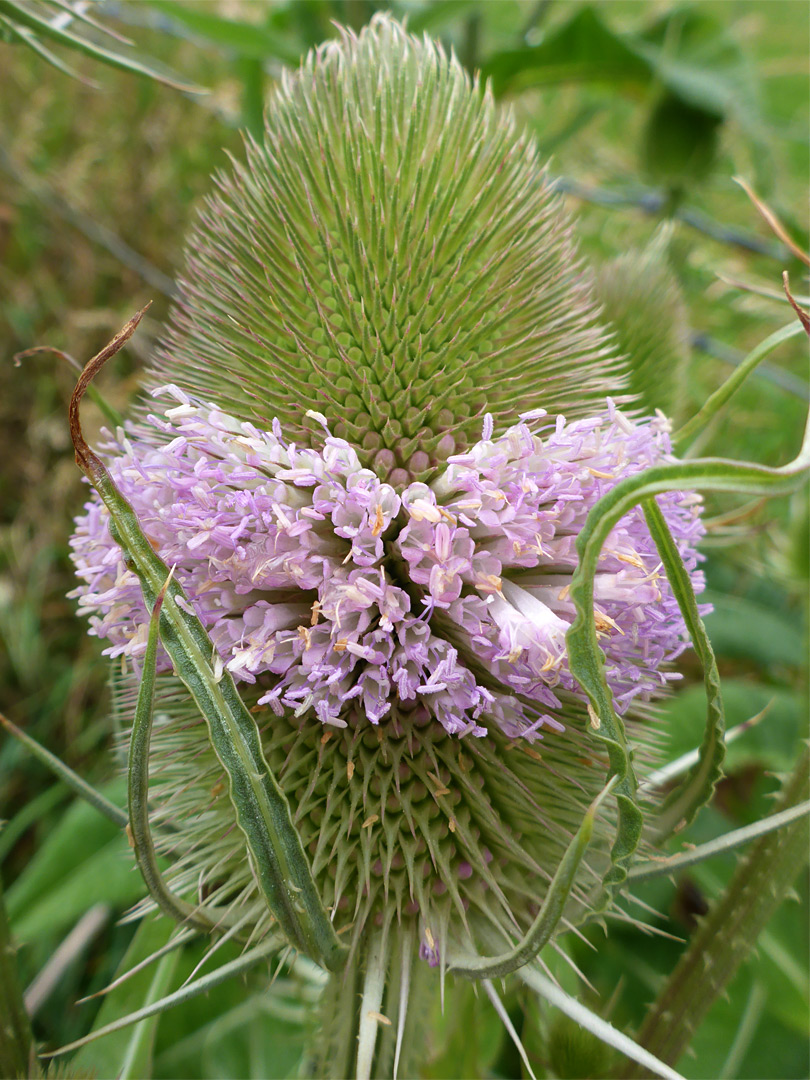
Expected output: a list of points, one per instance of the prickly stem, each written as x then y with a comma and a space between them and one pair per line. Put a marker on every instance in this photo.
730, 931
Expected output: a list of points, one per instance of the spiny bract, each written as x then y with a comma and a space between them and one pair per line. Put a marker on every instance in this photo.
386, 575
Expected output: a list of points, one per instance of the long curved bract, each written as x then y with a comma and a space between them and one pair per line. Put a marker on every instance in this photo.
262, 810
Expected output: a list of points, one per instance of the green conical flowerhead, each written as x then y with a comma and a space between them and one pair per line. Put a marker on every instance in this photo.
381, 424
390, 255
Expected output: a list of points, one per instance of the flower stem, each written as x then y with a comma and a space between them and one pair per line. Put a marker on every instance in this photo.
334, 1052
18, 1056
406, 987
730, 931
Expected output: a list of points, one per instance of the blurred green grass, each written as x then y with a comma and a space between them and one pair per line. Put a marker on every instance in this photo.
97, 188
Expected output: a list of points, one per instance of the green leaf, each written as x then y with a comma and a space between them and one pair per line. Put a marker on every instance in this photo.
79, 834
188, 991
250, 40
695, 57
80, 786
583, 49
743, 629
128, 1053
20, 17
549, 141
252, 1042
771, 743
783, 968
680, 142
683, 763
687, 53
776, 1049
104, 876
29, 814
435, 14
749, 1021
242, 1028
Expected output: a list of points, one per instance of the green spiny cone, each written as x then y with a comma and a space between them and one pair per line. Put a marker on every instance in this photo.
644, 302
391, 255
432, 846
406, 828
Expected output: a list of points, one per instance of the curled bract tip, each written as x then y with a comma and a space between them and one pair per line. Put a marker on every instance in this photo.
85, 458
804, 318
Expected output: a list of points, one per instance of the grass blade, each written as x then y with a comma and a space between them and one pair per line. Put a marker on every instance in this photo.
26, 36
76, 12
19, 16
138, 1051
113, 813
18, 1056
251, 40
64, 956
230, 970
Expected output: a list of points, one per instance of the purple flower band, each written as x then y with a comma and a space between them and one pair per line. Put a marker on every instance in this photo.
335, 592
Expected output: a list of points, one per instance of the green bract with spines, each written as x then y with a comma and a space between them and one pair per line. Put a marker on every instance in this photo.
392, 255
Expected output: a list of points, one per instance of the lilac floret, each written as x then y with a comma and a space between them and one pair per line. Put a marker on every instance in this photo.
335, 593
494, 537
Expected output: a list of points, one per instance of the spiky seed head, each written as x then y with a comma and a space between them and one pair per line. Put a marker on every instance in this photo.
391, 254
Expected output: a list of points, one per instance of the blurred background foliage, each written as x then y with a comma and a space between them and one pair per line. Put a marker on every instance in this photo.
647, 111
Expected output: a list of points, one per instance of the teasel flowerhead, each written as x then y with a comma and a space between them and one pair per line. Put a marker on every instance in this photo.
374, 432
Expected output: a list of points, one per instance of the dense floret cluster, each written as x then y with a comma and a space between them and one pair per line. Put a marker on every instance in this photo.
329, 588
